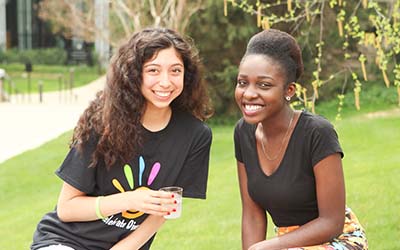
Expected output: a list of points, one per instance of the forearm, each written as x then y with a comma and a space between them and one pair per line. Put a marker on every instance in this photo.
74, 205
314, 232
253, 229
141, 235
83, 208
254, 220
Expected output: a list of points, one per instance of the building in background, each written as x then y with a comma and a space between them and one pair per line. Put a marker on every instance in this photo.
21, 28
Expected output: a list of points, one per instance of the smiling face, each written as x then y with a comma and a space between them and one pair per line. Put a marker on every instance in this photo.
261, 88
162, 79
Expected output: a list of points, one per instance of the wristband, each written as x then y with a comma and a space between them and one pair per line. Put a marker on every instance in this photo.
98, 212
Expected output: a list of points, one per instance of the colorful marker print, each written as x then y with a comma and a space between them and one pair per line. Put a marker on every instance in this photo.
132, 214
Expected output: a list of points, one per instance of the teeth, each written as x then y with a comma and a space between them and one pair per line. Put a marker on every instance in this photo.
162, 94
252, 107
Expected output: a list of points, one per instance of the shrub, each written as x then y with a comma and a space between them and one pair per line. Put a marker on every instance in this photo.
48, 56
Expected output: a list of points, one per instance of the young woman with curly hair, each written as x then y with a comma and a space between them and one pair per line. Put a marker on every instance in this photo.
289, 161
144, 131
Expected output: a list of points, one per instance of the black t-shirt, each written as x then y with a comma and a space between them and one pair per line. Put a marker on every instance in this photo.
178, 155
289, 194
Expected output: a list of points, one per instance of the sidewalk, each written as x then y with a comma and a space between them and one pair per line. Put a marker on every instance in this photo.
27, 124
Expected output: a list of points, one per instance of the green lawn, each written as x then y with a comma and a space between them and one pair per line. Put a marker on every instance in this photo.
371, 164
53, 77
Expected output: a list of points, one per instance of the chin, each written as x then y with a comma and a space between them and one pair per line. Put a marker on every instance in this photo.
163, 105
251, 119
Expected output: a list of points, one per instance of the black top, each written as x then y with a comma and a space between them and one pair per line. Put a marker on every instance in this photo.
289, 194
178, 155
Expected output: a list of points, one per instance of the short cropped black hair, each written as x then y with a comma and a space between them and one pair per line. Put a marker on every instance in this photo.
279, 46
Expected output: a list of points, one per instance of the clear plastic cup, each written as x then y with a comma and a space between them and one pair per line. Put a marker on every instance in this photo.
177, 191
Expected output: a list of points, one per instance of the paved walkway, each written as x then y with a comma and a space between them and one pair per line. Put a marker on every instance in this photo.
25, 123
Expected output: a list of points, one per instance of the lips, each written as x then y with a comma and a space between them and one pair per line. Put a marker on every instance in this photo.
251, 109
162, 95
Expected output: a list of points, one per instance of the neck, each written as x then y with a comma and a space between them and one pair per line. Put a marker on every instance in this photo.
278, 138
156, 119
277, 124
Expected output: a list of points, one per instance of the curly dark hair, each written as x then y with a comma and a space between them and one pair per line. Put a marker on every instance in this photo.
114, 115
281, 47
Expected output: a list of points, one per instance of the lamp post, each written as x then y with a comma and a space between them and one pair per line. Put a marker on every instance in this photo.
28, 70
2, 77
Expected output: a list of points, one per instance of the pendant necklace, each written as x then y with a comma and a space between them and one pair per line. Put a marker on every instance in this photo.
281, 147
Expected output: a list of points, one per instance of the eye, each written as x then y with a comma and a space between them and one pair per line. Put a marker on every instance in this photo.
264, 85
177, 70
241, 83
151, 70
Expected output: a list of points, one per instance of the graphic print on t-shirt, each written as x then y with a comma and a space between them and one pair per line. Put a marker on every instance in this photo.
132, 214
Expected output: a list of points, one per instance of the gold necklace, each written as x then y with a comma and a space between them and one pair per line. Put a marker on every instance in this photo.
281, 147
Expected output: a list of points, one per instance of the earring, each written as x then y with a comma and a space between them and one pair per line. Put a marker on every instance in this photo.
288, 98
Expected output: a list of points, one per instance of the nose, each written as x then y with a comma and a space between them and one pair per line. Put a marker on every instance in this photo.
164, 80
250, 92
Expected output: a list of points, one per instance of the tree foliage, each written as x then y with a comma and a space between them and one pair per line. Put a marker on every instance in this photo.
221, 42
345, 42
347, 45
77, 17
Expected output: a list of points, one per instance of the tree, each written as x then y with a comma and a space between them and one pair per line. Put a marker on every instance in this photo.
349, 38
77, 17
221, 42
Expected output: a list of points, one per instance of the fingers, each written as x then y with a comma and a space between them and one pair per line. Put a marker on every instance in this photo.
162, 194
153, 202
160, 210
161, 197
163, 204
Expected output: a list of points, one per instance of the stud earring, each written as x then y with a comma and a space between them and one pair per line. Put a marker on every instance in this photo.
288, 98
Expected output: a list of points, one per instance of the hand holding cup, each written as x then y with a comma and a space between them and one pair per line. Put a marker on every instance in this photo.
177, 192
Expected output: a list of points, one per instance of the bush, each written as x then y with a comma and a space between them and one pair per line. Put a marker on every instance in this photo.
49, 56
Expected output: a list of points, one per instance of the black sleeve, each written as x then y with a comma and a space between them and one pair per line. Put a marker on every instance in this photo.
194, 175
324, 142
75, 169
236, 138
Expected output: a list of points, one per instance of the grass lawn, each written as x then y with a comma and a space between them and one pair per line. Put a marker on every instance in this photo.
371, 164
53, 77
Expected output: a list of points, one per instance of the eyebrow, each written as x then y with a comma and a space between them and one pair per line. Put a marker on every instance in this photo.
156, 64
258, 77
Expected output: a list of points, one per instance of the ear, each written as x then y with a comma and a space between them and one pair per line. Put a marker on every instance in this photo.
291, 89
